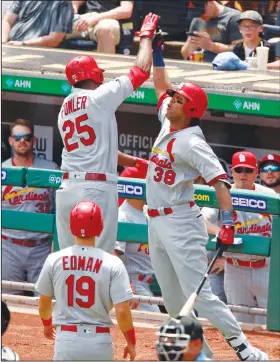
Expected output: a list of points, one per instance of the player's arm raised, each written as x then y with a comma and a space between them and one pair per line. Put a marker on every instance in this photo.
160, 76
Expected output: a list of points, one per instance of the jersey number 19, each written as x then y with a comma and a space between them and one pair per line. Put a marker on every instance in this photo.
85, 287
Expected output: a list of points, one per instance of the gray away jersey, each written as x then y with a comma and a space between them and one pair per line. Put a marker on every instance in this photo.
136, 256
28, 199
86, 282
177, 159
88, 127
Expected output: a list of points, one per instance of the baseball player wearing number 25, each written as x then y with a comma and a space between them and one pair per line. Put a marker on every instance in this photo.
88, 128
177, 231
86, 282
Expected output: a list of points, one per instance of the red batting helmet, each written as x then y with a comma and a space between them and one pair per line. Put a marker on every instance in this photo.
198, 100
83, 67
86, 220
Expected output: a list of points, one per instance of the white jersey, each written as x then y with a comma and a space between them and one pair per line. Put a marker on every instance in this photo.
177, 159
88, 127
136, 256
245, 222
86, 282
28, 199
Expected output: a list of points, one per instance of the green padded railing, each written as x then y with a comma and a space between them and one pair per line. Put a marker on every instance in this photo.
204, 196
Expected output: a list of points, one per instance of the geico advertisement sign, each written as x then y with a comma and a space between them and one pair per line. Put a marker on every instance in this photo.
255, 204
130, 190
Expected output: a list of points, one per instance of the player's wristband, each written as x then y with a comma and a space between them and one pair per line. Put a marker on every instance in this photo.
226, 216
47, 322
158, 60
130, 336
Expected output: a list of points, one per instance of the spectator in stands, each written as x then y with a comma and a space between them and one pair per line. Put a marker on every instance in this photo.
246, 276
251, 27
24, 252
270, 172
37, 23
101, 22
218, 32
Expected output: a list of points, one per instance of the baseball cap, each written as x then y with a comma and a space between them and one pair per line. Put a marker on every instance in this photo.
251, 15
228, 61
272, 157
134, 172
244, 159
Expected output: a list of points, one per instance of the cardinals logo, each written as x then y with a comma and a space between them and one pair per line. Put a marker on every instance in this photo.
144, 248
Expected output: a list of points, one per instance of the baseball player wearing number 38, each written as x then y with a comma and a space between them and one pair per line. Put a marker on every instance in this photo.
86, 282
177, 232
88, 128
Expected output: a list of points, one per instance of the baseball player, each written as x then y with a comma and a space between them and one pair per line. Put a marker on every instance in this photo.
270, 172
7, 354
136, 256
86, 282
180, 339
88, 128
246, 276
24, 252
177, 232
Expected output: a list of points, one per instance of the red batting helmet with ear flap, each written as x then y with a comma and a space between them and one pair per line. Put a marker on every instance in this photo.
197, 99
86, 220
83, 67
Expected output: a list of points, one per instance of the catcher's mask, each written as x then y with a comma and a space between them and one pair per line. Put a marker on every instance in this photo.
173, 341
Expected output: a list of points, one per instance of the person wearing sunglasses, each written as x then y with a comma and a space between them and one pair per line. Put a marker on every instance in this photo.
270, 172
252, 270
24, 252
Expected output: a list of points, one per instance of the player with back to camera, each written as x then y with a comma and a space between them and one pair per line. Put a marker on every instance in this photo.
88, 128
86, 283
177, 232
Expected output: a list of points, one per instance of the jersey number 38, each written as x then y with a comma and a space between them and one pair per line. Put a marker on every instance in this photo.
69, 128
84, 287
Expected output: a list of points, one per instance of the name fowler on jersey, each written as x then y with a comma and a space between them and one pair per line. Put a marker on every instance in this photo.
74, 105
83, 263
18, 197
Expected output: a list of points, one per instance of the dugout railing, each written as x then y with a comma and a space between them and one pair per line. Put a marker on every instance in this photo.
131, 188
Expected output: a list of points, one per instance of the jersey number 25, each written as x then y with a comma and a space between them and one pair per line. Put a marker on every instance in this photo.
70, 127
85, 287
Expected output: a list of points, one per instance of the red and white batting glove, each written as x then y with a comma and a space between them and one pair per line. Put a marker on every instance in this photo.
226, 233
149, 26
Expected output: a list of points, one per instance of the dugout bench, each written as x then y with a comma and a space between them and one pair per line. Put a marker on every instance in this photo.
131, 188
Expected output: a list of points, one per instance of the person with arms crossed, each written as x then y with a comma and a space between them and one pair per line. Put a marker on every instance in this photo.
88, 128
86, 283
136, 256
177, 231
24, 252
246, 276
180, 339
270, 172
215, 32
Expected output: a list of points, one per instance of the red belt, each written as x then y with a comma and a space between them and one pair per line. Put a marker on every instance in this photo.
75, 329
142, 277
27, 243
89, 176
248, 264
166, 210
